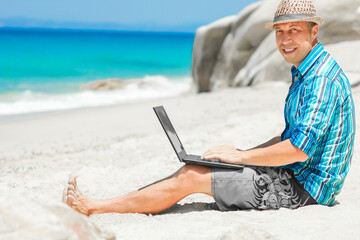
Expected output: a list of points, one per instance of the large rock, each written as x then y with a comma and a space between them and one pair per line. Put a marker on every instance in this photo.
207, 44
248, 53
343, 52
105, 84
246, 35
25, 218
150, 82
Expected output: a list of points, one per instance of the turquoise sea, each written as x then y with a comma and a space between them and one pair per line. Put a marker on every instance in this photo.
43, 69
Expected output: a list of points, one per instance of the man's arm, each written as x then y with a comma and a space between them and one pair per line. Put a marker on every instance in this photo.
278, 154
272, 141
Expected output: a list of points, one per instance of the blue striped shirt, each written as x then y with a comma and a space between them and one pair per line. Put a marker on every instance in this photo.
320, 120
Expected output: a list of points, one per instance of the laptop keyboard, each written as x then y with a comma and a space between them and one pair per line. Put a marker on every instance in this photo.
205, 160
210, 160
221, 164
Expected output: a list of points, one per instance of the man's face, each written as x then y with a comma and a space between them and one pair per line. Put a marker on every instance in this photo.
295, 40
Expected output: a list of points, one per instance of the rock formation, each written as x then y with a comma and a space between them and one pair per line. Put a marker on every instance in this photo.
117, 83
22, 217
105, 84
240, 51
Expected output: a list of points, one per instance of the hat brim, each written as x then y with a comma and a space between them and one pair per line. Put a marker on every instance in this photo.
318, 20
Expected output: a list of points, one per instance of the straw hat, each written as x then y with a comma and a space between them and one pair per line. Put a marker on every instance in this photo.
295, 11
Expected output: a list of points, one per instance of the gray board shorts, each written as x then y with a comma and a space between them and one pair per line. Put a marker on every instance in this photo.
257, 188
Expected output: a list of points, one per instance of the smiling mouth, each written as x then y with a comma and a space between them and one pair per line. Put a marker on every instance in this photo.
289, 51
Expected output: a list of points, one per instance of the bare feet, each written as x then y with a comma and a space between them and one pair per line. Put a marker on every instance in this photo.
75, 199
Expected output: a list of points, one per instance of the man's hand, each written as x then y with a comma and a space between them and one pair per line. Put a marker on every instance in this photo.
224, 153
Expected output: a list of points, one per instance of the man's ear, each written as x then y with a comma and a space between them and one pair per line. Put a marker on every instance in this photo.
314, 31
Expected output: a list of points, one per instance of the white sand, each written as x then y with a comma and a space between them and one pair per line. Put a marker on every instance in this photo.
118, 149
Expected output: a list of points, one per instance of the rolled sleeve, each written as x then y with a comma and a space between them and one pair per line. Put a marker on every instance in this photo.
303, 142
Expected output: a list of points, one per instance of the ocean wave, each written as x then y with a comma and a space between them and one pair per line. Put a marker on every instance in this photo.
149, 87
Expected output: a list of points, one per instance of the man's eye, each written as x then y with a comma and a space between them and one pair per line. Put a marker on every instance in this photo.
294, 29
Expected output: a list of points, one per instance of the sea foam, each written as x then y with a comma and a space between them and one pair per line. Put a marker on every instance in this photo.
151, 87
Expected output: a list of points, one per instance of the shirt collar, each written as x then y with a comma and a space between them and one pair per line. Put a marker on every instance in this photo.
308, 61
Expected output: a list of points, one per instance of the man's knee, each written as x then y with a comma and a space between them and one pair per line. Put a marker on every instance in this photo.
193, 176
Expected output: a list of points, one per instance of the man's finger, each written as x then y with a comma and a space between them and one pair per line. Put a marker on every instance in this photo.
208, 153
213, 156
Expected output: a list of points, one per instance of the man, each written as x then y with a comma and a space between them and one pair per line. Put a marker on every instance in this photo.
306, 164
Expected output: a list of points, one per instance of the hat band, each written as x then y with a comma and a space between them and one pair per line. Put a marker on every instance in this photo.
291, 17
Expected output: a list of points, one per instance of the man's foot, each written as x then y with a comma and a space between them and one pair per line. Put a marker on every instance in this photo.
75, 199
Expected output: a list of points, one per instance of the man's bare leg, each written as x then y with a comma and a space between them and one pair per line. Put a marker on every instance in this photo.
152, 199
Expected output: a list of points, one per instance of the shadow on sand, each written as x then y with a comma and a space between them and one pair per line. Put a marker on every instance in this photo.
190, 207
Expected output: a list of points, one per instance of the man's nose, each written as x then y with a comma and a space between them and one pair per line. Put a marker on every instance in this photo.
286, 38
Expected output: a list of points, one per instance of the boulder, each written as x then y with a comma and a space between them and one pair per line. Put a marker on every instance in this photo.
105, 84
343, 52
207, 43
248, 53
247, 33
23, 217
148, 82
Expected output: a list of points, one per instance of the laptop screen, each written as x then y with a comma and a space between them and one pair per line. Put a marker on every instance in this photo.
170, 131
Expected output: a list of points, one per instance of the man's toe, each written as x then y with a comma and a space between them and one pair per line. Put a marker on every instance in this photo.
65, 193
72, 179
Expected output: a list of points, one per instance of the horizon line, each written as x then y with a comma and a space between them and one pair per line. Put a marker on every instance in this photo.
186, 27
64, 29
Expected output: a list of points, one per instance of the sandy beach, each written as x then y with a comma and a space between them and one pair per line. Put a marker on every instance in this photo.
117, 149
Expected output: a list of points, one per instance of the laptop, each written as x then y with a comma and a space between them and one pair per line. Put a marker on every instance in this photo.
179, 148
